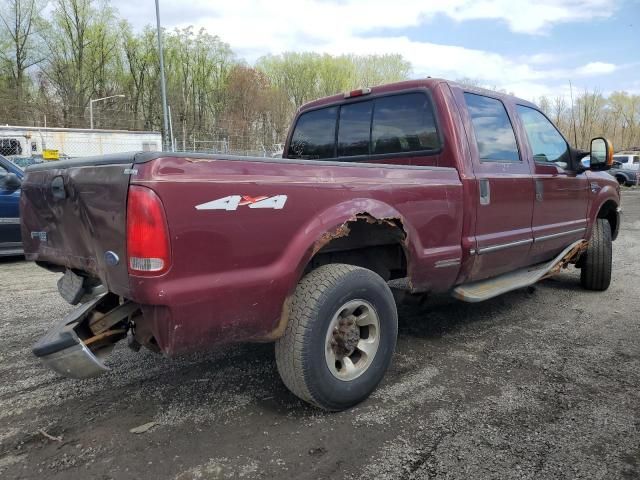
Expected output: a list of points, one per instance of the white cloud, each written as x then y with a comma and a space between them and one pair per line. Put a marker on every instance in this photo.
541, 58
325, 16
596, 68
257, 27
531, 16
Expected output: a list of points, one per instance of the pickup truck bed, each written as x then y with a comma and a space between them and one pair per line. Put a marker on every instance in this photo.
232, 270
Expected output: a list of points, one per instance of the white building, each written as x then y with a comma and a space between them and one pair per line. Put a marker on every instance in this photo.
75, 142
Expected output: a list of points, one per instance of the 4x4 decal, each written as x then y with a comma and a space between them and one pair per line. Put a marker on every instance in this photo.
232, 202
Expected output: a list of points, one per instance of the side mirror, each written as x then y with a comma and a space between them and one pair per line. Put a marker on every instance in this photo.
10, 182
601, 154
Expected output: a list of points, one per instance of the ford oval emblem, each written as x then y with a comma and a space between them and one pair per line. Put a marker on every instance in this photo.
111, 258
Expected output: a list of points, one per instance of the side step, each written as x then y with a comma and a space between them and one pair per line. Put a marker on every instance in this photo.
492, 287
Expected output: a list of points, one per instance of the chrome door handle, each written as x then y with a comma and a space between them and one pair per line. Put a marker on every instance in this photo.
485, 191
539, 190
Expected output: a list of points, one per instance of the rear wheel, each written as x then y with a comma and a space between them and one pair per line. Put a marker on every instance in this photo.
597, 260
340, 337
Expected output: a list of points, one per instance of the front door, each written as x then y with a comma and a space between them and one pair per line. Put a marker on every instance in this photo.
562, 196
504, 188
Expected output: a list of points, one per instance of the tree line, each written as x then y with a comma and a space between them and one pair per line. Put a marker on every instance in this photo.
57, 55
616, 117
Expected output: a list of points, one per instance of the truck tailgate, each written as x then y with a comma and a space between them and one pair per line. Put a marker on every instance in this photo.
74, 212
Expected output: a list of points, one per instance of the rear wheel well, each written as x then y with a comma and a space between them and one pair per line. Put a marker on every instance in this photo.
609, 212
375, 244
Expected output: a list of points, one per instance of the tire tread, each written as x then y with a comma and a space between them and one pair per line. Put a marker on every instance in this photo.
292, 349
597, 264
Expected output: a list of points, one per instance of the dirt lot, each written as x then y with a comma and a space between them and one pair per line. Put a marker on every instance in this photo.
534, 384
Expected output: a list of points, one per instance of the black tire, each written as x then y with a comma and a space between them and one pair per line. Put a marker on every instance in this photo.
300, 353
597, 260
621, 179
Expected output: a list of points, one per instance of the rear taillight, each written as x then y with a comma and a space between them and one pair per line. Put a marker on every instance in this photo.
148, 247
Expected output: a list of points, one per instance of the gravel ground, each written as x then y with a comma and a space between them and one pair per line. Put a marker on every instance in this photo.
533, 384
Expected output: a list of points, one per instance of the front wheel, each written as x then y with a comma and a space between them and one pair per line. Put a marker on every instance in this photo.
340, 338
597, 260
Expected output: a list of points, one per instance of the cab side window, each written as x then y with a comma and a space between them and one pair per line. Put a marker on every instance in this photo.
404, 123
547, 144
493, 130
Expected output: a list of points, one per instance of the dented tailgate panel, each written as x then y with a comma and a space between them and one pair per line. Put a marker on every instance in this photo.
72, 216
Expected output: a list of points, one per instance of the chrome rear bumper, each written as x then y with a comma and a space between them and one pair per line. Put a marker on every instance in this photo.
62, 350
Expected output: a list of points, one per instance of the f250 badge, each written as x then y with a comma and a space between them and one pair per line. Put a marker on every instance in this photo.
42, 236
232, 202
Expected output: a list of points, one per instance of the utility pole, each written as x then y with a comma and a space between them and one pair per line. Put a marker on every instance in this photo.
163, 86
573, 117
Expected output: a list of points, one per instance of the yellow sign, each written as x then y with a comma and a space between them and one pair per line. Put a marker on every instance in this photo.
50, 154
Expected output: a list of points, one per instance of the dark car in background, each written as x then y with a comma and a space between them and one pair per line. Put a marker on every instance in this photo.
623, 175
10, 183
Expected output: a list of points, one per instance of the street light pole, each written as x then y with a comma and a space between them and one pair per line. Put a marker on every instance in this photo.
163, 86
91, 102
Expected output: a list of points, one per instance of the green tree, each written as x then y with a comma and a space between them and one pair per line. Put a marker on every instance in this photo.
82, 46
20, 21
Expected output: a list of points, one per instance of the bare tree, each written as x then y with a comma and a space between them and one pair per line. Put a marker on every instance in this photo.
20, 20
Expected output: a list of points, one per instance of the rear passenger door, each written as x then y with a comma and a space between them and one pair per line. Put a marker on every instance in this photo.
562, 196
505, 192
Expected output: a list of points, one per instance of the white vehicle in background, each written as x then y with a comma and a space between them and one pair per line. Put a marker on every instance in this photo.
628, 160
53, 143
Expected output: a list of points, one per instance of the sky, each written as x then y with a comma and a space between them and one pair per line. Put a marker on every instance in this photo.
530, 48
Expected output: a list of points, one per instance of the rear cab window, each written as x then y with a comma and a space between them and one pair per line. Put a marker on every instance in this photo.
354, 129
397, 124
315, 135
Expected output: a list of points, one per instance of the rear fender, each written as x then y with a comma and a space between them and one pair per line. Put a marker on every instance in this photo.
333, 223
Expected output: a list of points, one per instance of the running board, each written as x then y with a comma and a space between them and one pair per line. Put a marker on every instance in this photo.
492, 287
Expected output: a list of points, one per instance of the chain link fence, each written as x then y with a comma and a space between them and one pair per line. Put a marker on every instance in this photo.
27, 145
230, 146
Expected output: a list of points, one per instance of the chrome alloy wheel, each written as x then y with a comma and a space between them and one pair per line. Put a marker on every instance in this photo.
352, 340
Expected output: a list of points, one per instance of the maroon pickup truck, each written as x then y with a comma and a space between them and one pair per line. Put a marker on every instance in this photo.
454, 189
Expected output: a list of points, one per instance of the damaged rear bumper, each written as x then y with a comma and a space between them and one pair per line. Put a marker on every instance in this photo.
76, 346
62, 350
